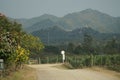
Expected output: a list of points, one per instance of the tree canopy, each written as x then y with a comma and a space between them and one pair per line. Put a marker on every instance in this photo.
16, 45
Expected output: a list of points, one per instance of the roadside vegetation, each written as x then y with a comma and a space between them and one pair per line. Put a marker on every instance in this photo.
111, 62
26, 73
16, 46
89, 53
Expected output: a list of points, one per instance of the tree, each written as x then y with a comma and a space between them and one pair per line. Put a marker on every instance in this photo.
112, 47
15, 45
9, 26
52, 49
7, 47
31, 42
87, 43
8, 39
22, 56
79, 50
70, 47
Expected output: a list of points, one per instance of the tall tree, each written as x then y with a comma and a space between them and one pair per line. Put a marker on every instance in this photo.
15, 45
70, 47
87, 43
79, 50
112, 47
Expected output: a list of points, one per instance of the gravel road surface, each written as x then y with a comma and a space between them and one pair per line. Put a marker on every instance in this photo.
50, 72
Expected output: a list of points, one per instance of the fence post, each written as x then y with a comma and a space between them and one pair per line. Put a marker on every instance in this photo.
39, 60
57, 59
47, 59
1, 67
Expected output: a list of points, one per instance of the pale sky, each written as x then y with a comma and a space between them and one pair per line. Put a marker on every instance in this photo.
34, 8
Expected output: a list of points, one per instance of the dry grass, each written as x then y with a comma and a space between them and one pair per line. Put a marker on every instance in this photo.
105, 70
63, 66
95, 68
25, 74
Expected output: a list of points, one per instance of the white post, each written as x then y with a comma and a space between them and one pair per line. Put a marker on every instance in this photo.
63, 55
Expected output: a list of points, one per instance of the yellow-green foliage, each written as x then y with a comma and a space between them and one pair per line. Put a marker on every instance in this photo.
15, 45
22, 54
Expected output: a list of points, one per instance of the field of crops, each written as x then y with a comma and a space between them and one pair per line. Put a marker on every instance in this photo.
82, 61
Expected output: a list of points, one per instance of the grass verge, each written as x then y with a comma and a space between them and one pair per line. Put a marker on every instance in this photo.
24, 74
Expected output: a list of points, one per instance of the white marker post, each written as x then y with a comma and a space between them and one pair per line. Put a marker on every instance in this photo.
63, 55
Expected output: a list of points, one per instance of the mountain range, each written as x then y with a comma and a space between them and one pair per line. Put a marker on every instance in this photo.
94, 19
73, 26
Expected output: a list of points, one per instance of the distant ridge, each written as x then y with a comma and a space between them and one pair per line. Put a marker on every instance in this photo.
73, 26
55, 35
94, 19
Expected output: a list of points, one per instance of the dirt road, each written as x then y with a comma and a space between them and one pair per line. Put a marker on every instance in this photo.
50, 72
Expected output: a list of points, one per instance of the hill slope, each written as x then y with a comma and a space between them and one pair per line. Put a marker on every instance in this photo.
57, 35
87, 18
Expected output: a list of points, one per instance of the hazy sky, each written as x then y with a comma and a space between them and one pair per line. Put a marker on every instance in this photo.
34, 8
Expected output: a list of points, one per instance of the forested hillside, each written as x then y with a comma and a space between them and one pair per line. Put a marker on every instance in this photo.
87, 18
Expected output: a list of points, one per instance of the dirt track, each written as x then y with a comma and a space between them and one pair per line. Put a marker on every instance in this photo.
49, 72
